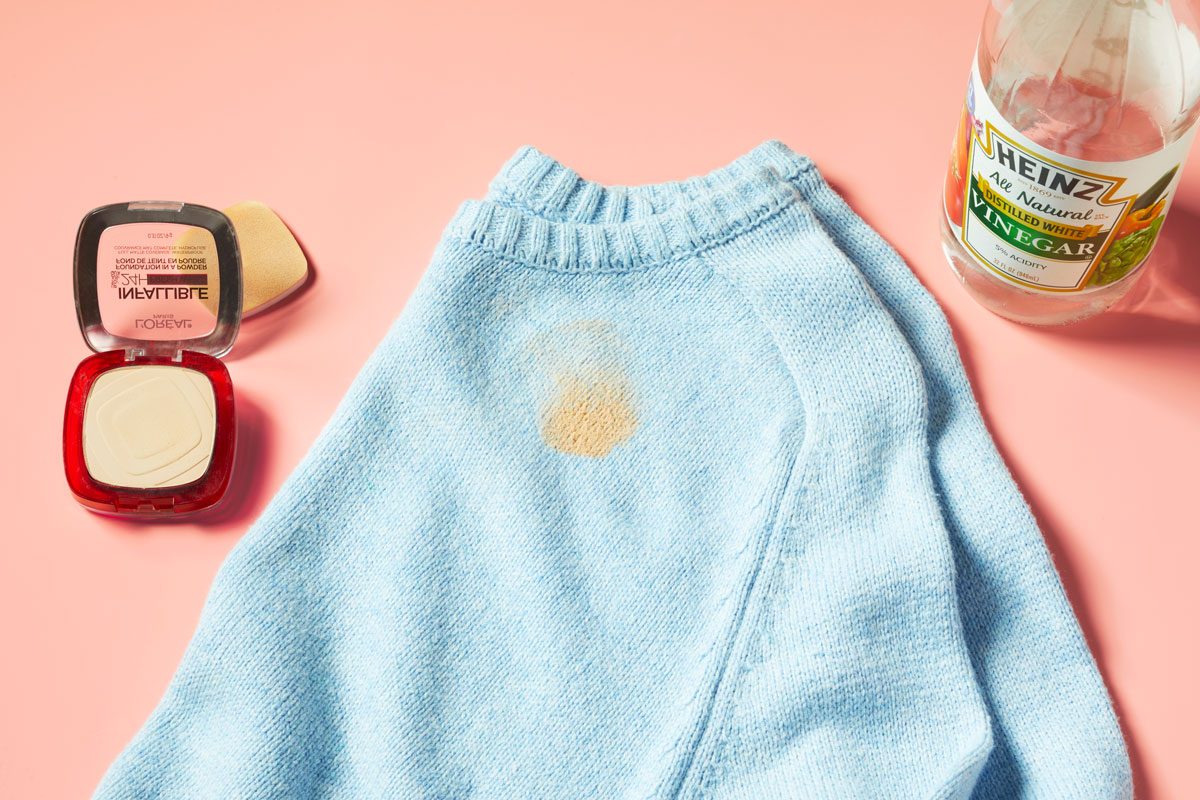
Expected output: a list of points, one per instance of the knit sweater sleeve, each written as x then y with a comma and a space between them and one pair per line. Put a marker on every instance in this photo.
1054, 730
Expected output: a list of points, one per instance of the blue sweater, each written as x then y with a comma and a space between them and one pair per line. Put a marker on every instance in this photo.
655, 501
1025, 646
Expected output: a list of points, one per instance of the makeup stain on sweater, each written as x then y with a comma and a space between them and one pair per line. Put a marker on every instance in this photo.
588, 406
589, 419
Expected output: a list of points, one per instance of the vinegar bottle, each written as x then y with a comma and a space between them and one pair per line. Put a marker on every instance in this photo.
1078, 117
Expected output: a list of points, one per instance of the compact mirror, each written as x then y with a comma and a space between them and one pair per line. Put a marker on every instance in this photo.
158, 279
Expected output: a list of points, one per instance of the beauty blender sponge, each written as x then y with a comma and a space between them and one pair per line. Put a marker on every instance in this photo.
273, 265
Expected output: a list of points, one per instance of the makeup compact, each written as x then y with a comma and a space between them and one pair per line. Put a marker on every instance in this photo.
150, 425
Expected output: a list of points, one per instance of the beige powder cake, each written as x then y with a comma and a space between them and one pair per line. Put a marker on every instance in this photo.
149, 427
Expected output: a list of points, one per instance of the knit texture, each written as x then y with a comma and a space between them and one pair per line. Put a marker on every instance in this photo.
1054, 734
636, 508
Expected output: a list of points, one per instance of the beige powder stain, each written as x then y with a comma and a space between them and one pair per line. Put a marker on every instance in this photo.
589, 405
589, 418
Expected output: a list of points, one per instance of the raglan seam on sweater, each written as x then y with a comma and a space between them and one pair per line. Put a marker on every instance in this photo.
717, 753
723, 702
674, 780
721, 753
725, 693
672, 751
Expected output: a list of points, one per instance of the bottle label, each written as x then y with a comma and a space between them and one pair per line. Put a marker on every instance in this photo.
1047, 221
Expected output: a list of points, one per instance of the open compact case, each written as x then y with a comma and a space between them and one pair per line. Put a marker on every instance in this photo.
150, 425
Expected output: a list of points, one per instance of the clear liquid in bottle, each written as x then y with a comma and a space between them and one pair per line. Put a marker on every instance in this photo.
1078, 118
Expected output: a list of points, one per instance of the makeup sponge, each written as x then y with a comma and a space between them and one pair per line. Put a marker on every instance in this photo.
273, 265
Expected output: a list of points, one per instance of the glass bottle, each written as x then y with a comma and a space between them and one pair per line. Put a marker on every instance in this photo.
1078, 117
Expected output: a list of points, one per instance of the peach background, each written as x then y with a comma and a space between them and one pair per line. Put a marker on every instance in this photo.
364, 125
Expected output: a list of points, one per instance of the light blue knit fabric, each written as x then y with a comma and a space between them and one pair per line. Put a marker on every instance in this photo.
1053, 730
640, 510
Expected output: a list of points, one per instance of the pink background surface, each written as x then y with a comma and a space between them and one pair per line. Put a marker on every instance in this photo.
364, 125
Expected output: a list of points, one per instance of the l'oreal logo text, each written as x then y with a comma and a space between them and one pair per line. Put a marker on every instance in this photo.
152, 323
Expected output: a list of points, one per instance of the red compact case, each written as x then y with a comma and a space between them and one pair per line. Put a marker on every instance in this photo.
150, 426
